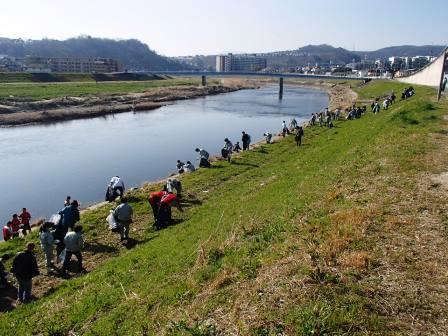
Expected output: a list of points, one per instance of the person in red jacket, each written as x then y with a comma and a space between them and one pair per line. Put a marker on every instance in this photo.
15, 224
164, 214
25, 217
154, 201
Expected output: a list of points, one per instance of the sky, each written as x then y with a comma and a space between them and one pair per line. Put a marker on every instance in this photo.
189, 27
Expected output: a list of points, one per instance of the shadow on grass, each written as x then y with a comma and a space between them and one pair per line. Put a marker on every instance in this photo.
97, 247
8, 297
236, 163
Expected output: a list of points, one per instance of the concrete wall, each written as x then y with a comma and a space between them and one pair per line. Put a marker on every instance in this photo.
430, 75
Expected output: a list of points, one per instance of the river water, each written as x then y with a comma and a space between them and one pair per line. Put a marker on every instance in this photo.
41, 164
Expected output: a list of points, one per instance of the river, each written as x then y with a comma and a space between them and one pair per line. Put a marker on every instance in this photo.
42, 164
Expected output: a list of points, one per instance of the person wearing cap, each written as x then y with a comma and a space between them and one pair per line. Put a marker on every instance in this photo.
67, 201
24, 268
123, 214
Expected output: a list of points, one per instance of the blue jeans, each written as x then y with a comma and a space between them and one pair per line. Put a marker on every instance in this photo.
24, 293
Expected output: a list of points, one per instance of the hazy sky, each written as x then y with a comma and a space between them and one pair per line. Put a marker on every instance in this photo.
186, 27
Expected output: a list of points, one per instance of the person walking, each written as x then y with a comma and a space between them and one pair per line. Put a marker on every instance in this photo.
46, 242
123, 215
299, 135
284, 129
24, 268
245, 140
74, 243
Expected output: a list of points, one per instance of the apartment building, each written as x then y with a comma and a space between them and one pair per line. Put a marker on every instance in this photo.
72, 64
230, 62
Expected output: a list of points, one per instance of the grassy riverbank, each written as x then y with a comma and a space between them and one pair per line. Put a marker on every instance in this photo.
340, 236
40, 91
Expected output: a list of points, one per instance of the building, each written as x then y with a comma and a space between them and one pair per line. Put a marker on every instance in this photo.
71, 64
230, 62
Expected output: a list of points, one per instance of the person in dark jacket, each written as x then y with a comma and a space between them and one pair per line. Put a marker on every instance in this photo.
246, 140
70, 215
24, 268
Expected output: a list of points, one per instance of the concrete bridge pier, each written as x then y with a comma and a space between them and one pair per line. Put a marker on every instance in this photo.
280, 90
204, 81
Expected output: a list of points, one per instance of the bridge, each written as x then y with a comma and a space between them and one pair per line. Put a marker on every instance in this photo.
281, 76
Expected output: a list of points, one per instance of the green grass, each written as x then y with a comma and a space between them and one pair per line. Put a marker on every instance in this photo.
38, 91
272, 204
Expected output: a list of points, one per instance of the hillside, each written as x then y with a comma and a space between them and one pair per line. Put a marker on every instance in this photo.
344, 235
134, 54
404, 50
310, 55
324, 54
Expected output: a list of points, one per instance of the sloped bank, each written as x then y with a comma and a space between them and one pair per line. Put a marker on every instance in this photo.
284, 240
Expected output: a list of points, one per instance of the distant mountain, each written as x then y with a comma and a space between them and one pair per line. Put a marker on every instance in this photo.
320, 54
133, 54
404, 50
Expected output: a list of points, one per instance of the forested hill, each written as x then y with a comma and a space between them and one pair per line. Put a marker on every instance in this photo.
134, 54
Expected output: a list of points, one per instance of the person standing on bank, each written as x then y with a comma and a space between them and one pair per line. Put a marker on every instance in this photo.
25, 218
123, 215
47, 242
245, 139
299, 135
24, 268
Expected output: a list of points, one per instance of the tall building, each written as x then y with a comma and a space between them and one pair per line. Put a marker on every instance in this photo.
230, 62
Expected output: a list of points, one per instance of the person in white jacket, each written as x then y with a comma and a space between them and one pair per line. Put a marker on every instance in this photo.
47, 242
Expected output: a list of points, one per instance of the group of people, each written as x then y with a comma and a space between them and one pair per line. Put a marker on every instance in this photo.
407, 93
62, 233
18, 224
58, 233
325, 118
